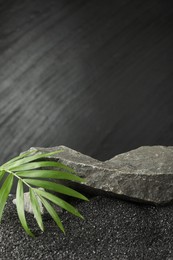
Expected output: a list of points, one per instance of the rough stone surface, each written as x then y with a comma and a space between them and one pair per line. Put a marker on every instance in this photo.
143, 175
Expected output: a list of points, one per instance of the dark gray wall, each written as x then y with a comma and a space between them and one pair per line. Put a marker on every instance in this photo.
96, 76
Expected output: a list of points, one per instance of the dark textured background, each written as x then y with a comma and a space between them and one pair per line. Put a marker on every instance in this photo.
93, 75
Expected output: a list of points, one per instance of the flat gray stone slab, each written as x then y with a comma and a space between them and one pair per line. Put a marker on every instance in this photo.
143, 175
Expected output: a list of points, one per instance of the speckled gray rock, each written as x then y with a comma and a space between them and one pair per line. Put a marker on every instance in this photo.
143, 175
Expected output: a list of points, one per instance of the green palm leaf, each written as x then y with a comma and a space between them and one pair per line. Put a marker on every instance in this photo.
20, 207
40, 164
60, 202
53, 213
36, 208
2, 173
19, 157
51, 174
26, 168
56, 187
30, 158
4, 192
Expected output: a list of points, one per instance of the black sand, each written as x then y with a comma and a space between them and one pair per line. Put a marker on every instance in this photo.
113, 229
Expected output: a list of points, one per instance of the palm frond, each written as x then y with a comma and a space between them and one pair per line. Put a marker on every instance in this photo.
27, 159
36, 165
20, 207
53, 213
56, 187
2, 173
51, 174
31, 171
19, 157
60, 202
4, 192
36, 208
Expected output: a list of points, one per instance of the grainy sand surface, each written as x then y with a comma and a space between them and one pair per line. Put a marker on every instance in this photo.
112, 229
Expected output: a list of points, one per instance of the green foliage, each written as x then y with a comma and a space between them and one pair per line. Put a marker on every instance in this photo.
31, 169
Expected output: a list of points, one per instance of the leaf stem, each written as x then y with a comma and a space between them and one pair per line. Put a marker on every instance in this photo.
18, 178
